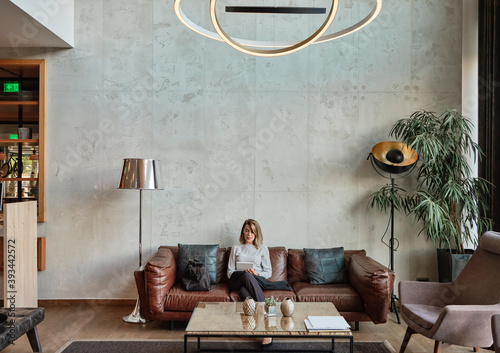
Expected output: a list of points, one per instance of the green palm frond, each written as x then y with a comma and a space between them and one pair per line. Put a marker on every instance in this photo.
383, 199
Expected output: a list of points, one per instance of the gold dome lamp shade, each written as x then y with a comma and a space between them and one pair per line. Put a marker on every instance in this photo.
394, 157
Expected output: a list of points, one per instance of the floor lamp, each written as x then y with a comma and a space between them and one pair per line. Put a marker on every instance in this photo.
141, 174
392, 157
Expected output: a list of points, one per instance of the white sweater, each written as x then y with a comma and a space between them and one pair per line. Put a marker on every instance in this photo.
249, 253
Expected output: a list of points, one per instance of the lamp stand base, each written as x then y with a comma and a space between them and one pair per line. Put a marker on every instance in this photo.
135, 316
393, 308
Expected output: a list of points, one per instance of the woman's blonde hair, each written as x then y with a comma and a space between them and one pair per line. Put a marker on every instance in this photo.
255, 227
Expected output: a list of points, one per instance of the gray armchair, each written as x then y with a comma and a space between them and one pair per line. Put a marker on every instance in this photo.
459, 312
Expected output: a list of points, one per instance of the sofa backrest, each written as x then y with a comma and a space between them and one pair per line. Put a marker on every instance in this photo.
289, 266
278, 257
297, 271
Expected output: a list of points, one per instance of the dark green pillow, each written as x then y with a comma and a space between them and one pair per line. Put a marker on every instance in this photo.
326, 265
207, 254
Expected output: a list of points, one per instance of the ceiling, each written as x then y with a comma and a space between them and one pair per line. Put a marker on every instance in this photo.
28, 23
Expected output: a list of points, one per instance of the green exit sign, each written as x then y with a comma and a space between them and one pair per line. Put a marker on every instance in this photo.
11, 87
13, 136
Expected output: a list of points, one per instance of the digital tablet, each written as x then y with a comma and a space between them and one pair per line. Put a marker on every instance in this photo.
242, 265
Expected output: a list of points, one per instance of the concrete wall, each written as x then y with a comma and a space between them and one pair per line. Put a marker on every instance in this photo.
281, 140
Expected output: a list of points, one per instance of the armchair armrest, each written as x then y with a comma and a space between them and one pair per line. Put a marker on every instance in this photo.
430, 293
466, 325
158, 276
495, 328
374, 283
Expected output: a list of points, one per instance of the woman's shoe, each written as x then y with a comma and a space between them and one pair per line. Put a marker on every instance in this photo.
267, 345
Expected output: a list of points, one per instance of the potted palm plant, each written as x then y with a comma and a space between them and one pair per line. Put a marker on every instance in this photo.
450, 202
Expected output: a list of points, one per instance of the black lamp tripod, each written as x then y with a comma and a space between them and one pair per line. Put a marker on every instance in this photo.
394, 158
391, 252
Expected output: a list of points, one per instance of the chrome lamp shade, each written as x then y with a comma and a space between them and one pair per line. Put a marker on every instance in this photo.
144, 174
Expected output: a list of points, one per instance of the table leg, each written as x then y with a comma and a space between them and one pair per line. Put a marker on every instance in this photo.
333, 345
351, 344
185, 344
199, 348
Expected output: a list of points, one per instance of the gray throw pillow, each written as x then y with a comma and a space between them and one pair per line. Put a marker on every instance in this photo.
326, 265
207, 254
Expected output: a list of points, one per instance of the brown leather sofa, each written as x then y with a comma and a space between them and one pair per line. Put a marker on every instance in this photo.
365, 298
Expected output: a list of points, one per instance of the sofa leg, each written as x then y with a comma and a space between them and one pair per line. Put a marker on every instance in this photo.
172, 325
356, 326
408, 334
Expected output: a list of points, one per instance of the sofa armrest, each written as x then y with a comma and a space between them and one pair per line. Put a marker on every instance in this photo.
158, 276
374, 283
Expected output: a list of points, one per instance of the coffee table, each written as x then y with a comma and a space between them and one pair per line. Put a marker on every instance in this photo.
214, 319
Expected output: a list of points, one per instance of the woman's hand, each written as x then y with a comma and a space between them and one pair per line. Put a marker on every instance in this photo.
253, 271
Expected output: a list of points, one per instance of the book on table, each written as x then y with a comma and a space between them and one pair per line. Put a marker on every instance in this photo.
326, 323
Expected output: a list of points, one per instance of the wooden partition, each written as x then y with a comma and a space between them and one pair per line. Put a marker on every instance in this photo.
20, 255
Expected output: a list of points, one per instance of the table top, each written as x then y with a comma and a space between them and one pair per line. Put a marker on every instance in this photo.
211, 318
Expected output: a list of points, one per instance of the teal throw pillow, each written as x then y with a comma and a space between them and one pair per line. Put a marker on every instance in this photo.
206, 254
326, 265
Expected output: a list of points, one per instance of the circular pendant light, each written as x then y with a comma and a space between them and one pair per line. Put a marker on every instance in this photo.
253, 47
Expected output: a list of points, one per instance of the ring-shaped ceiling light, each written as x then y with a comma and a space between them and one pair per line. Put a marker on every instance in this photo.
273, 52
246, 46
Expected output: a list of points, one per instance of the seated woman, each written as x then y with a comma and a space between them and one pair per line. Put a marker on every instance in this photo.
252, 250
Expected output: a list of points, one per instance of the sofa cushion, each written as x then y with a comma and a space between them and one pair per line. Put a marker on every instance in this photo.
326, 265
221, 265
342, 295
297, 271
278, 257
207, 254
178, 299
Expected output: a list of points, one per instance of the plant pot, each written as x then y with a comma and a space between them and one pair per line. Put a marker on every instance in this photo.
450, 264
270, 310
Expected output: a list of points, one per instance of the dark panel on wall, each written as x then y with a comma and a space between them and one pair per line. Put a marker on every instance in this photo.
489, 100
